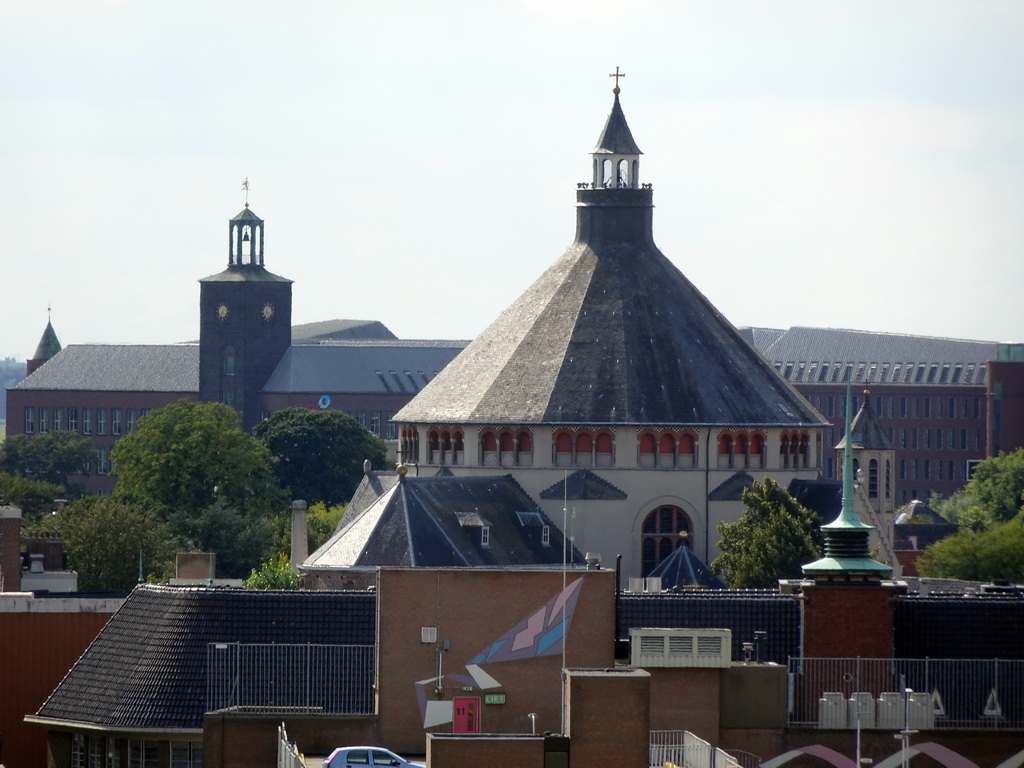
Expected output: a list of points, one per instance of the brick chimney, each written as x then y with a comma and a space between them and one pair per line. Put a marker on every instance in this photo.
10, 549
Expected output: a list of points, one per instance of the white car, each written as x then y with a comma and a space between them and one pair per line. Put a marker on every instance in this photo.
350, 757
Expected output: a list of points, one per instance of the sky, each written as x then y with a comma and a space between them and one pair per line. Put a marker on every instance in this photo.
835, 164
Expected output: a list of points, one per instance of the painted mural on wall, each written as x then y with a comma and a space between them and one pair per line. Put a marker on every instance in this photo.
542, 633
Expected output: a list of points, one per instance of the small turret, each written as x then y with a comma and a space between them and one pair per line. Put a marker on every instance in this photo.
48, 346
616, 156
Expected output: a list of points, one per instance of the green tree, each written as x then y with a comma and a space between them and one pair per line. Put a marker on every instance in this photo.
964, 509
988, 555
773, 538
188, 456
104, 538
209, 481
998, 484
33, 497
275, 573
318, 455
50, 456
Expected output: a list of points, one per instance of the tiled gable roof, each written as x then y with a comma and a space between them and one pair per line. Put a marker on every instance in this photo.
120, 368
147, 667
584, 485
683, 568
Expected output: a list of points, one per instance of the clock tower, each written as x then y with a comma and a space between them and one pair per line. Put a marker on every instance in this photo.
245, 322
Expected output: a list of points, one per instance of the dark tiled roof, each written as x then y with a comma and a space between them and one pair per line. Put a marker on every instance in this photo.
921, 511
921, 359
584, 485
732, 488
959, 627
362, 366
147, 667
311, 333
682, 568
616, 138
822, 496
436, 522
742, 611
616, 335
120, 368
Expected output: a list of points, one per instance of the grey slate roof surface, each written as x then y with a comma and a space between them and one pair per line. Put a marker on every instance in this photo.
618, 337
832, 345
147, 666
732, 488
311, 333
584, 485
436, 522
120, 368
352, 366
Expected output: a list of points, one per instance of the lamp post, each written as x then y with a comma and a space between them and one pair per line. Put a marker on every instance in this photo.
904, 735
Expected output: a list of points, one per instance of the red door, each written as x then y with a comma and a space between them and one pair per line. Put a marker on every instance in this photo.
467, 715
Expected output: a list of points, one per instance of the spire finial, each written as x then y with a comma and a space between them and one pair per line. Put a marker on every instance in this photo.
48, 310
245, 186
616, 90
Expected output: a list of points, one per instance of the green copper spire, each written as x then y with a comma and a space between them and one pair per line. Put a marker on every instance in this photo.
846, 537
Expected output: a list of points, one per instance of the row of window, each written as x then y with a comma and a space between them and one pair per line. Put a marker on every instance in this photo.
95, 751
883, 373
54, 418
907, 407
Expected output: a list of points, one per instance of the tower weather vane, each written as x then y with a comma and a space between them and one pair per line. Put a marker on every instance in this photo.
245, 186
617, 75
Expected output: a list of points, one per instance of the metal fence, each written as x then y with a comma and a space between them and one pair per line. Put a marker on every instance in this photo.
890, 694
288, 755
682, 748
314, 679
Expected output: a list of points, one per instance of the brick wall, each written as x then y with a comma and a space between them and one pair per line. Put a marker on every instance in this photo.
849, 620
10, 549
608, 717
457, 751
686, 699
233, 740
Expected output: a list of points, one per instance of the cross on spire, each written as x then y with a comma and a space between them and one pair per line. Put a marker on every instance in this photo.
245, 186
617, 75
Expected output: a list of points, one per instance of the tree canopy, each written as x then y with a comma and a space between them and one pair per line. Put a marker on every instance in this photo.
988, 555
31, 496
319, 455
49, 456
189, 455
104, 538
998, 485
773, 538
208, 480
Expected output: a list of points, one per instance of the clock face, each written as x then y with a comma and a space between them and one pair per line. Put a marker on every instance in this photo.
222, 312
267, 311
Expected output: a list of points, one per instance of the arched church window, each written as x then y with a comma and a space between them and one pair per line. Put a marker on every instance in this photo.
888, 479
525, 443
606, 173
488, 441
433, 440
246, 244
667, 445
784, 451
741, 445
873, 479
508, 442
724, 444
604, 443
623, 174
664, 530
446, 440
563, 443
805, 450
584, 443
457, 441
686, 444
647, 443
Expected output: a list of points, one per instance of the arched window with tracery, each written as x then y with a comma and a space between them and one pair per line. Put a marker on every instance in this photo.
647, 450
563, 449
687, 451
664, 530
805, 450
784, 451
725, 448
525, 441
873, 479
888, 479
604, 450
740, 449
410, 452
488, 449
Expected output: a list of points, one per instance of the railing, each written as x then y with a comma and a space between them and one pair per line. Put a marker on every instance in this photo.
288, 755
308, 679
676, 749
890, 694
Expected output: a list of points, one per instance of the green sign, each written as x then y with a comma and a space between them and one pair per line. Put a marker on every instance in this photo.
494, 698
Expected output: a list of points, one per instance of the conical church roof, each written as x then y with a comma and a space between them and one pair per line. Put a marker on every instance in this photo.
866, 430
611, 333
616, 138
48, 345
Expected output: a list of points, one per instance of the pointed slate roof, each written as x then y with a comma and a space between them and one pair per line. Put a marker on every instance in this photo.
682, 568
584, 484
616, 138
866, 430
611, 333
437, 521
49, 344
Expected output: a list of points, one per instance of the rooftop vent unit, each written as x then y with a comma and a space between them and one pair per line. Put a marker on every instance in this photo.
708, 648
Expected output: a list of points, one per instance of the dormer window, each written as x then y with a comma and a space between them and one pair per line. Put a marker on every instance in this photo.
485, 536
545, 536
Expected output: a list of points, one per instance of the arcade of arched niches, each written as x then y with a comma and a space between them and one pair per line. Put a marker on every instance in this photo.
581, 446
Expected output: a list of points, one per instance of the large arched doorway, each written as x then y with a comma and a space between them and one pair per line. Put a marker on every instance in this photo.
664, 530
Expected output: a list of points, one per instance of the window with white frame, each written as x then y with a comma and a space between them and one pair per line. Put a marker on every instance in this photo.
115, 421
73, 419
186, 754
129, 415
44, 419
58, 419
30, 419
101, 421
